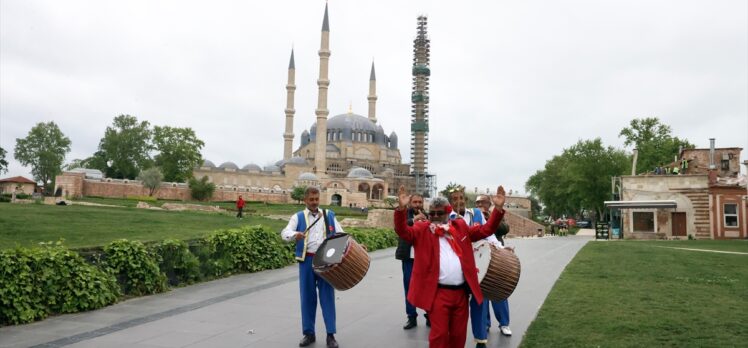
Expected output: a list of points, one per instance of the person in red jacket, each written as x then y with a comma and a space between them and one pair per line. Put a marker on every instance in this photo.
239, 207
444, 268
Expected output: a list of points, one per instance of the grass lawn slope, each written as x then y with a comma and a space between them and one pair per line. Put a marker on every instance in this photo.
645, 294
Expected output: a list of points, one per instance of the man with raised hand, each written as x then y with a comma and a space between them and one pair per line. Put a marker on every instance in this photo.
444, 269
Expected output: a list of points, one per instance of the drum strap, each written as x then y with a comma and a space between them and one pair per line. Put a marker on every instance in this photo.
315, 222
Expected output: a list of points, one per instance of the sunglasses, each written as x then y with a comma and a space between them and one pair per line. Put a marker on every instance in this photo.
437, 213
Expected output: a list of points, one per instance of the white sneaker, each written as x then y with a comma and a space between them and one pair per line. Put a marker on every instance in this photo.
505, 330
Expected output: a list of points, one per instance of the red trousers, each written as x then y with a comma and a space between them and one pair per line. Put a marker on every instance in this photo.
449, 317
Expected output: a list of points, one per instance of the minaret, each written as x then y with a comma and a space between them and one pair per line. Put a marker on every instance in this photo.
320, 147
372, 96
419, 126
290, 111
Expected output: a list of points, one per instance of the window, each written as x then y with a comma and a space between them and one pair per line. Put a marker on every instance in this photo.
725, 164
731, 215
643, 221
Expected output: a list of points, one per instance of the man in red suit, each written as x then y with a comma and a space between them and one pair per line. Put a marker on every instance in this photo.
444, 268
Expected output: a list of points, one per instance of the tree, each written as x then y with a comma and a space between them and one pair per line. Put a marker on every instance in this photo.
654, 143
578, 179
43, 149
179, 152
151, 179
298, 193
126, 145
3, 162
201, 189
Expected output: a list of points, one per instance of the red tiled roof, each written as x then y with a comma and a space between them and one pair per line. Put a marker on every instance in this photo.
18, 180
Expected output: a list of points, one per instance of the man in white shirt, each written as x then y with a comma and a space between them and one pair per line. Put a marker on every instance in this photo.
309, 228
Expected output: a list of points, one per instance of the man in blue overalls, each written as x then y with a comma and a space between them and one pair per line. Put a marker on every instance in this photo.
309, 228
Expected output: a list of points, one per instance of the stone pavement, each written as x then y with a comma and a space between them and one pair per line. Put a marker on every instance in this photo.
262, 310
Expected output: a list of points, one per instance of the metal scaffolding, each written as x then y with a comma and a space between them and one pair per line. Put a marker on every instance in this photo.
419, 127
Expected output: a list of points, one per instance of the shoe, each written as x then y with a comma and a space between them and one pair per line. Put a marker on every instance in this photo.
307, 340
411, 323
331, 342
505, 330
428, 322
480, 345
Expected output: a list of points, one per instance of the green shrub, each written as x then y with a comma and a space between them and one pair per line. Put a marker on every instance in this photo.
177, 262
250, 249
50, 279
201, 189
374, 238
135, 268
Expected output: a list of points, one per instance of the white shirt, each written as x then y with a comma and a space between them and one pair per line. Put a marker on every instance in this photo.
317, 233
450, 270
468, 218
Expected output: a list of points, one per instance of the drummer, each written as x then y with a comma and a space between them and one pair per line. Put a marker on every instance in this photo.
309, 228
472, 217
444, 293
500, 309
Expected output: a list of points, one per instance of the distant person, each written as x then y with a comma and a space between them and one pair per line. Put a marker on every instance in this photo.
240, 207
309, 228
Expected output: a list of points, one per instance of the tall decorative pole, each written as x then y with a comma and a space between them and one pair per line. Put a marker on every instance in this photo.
419, 126
372, 96
290, 89
320, 147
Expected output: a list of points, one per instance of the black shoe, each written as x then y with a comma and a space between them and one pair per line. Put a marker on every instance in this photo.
331, 342
428, 322
411, 323
480, 345
307, 340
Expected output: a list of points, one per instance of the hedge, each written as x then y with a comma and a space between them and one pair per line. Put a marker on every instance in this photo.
51, 279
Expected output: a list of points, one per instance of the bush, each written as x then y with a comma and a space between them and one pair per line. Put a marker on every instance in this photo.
250, 249
51, 279
374, 238
201, 189
177, 262
135, 268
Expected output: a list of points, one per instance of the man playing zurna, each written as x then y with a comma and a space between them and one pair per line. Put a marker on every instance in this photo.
309, 228
444, 267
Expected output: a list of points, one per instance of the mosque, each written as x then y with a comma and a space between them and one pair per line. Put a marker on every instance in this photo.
348, 156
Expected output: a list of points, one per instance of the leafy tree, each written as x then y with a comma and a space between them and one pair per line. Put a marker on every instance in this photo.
451, 187
201, 189
179, 152
3, 162
578, 179
126, 145
43, 149
151, 179
298, 193
654, 143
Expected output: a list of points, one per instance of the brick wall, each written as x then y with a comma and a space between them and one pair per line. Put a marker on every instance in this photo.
520, 226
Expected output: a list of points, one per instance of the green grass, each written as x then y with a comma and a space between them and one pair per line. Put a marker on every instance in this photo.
632, 294
258, 208
82, 226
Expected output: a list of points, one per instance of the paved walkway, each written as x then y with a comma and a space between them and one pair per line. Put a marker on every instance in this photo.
262, 310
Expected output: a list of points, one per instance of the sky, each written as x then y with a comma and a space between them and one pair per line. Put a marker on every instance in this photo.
513, 83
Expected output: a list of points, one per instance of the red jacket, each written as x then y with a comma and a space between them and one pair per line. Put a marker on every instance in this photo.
425, 276
240, 203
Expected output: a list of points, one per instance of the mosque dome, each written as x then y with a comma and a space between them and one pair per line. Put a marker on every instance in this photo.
351, 122
272, 169
252, 167
307, 177
208, 163
360, 173
296, 160
229, 165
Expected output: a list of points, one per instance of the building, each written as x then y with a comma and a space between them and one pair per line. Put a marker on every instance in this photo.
709, 201
349, 156
17, 184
